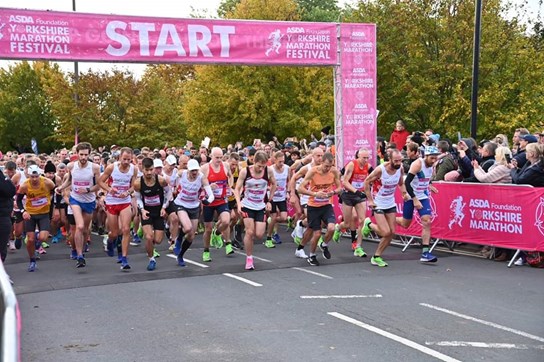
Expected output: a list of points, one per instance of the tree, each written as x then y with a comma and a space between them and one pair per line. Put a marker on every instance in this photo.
425, 66
25, 109
240, 103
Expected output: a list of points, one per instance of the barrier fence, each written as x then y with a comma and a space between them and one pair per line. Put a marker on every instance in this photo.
10, 320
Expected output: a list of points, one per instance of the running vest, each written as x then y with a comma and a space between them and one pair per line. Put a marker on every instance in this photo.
230, 194
221, 180
420, 183
82, 178
359, 175
385, 197
255, 190
304, 198
189, 191
152, 196
38, 199
321, 183
122, 182
281, 183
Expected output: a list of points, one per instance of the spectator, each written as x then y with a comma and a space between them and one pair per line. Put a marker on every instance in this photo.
399, 135
467, 153
499, 172
412, 154
446, 161
532, 173
501, 140
523, 142
518, 133
486, 160
381, 155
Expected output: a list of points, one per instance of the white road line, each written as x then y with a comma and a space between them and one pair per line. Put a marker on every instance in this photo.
313, 273
394, 337
481, 321
339, 296
188, 261
254, 257
483, 345
247, 281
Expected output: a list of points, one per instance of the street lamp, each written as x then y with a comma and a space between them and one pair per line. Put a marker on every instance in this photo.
475, 68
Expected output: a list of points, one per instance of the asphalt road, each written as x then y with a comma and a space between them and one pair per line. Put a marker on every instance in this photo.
462, 308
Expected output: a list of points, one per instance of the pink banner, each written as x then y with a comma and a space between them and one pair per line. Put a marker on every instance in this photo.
508, 216
27, 34
357, 84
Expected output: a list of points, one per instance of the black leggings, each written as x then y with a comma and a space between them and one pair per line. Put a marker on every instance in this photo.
5, 232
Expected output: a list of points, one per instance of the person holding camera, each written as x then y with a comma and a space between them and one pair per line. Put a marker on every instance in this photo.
499, 172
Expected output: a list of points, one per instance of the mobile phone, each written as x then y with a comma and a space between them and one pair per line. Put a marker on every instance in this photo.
508, 157
458, 136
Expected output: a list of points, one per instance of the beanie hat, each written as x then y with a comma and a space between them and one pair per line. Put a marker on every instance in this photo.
50, 167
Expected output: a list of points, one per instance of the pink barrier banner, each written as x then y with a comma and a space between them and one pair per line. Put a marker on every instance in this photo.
358, 89
50, 35
508, 216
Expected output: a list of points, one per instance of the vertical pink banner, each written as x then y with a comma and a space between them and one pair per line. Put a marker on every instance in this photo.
358, 89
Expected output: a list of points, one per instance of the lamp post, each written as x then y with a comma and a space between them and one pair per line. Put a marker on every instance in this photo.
475, 69
76, 80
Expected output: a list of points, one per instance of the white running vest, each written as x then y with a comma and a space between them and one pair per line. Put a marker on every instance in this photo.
82, 178
304, 198
420, 183
189, 191
281, 183
385, 197
122, 182
255, 191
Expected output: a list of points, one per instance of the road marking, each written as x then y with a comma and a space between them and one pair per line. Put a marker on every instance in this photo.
313, 273
394, 337
247, 281
339, 296
188, 261
254, 257
481, 321
483, 345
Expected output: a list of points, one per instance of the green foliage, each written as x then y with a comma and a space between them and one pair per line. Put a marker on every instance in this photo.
425, 66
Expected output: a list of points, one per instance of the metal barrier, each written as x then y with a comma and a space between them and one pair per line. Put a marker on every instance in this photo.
9, 332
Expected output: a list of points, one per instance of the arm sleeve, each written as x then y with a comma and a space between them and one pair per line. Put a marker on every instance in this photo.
139, 200
209, 193
408, 184
20, 201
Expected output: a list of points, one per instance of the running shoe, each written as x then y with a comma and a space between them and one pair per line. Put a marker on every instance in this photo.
81, 262
109, 248
353, 245
41, 250
55, 240
124, 263
359, 252
156, 254
180, 260
206, 257
325, 251
218, 241
269, 244
276, 238
337, 233
249, 263
45, 245
290, 224
136, 241
32, 266
320, 241
73, 255
235, 244
301, 254
228, 249
18, 243
152, 265
378, 261
296, 239
427, 257
86, 247
177, 246
171, 247
11, 245
101, 231
366, 230
312, 260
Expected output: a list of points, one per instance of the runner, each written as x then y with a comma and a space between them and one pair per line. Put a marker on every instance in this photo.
253, 181
278, 211
220, 178
236, 223
418, 184
81, 175
187, 204
7, 192
152, 202
385, 178
320, 184
37, 190
354, 198
16, 177
117, 180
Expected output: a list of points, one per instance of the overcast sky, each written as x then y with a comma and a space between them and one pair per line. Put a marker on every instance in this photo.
157, 8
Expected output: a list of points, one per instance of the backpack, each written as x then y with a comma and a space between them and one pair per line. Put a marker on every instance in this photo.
535, 259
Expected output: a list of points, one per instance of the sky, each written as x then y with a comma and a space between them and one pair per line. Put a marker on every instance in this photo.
154, 8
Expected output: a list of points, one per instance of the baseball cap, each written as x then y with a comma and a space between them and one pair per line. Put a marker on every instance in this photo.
431, 151
193, 165
34, 170
171, 160
157, 163
529, 138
